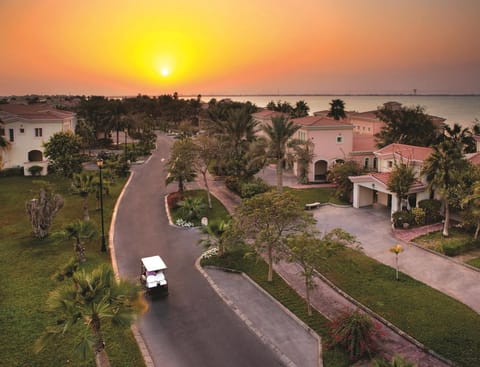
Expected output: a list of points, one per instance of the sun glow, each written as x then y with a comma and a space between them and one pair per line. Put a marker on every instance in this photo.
165, 72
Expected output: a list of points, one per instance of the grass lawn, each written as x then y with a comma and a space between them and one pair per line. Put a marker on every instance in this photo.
474, 262
27, 266
315, 194
216, 214
458, 242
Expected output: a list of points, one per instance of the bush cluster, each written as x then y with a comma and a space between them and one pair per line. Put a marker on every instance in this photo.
13, 171
401, 217
246, 189
432, 210
457, 247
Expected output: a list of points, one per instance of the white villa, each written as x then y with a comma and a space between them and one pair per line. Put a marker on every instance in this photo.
26, 128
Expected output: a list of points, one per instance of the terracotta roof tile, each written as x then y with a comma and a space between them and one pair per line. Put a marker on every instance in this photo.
35, 112
409, 152
321, 121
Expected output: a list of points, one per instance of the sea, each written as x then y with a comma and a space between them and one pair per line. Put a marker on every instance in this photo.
461, 109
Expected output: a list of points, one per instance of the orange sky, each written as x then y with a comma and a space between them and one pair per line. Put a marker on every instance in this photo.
249, 46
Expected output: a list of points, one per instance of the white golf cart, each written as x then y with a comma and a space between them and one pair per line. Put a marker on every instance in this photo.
153, 274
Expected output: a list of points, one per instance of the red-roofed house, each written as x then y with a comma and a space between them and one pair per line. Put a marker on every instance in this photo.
372, 188
332, 139
27, 128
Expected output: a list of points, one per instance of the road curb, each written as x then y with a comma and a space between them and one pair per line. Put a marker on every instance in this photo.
246, 320
147, 358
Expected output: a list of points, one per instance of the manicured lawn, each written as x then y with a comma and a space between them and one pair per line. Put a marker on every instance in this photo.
216, 214
474, 262
27, 266
315, 194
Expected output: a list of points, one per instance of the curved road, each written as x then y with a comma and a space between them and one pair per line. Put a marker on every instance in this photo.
192, 326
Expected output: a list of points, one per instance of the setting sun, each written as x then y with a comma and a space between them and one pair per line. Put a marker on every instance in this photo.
165, 72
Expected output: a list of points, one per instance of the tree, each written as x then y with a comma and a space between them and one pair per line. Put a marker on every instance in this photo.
208, 152
63, 152
303, 154
443, 170
464, 137
216, 236
304, 249
180, 166
339, 175
267, 220
83, 184
4, 144
79, 231
301, 109
191, 207
401, 179
472, 203
337, 109
406, 125
279, 134
43, 209
92, 300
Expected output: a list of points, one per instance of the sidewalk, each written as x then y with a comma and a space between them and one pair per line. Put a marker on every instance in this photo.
330, 302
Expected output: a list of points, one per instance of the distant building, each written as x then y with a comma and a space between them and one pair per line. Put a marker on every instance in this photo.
27, 128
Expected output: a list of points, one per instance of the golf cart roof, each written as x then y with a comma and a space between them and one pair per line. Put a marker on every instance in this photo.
153, 263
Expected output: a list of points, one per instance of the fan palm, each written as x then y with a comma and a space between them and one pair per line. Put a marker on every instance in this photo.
279, 133
92, 300
337, 109
78, 231
83, 184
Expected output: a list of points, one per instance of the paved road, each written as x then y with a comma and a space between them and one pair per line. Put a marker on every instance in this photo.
192, 326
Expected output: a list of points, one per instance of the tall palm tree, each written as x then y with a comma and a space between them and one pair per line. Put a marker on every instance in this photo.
279, 133
301, 109
337, 109
83, 184
443, 169
93, 299
473, 203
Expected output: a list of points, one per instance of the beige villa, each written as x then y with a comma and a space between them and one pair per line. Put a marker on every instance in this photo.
26, 128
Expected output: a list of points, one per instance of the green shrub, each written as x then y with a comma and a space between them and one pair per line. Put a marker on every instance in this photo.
233, 184
252, 188
432, 210
13, 171
35, 170
401, 217
458, 246
419, 216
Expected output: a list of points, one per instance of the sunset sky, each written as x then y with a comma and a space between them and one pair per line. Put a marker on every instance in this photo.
239, 46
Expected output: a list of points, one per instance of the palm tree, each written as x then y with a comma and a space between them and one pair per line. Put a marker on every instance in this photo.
301, 109
462, 136
79, 230
337, 109
303, 154
215, 236
279, 133
93, 299
4, 144
443, 170
181, 167
83, 184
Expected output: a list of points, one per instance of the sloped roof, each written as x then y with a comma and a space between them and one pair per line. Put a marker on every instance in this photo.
382, 178
474, 158
265, 114
410, 152
32, 112
322, 121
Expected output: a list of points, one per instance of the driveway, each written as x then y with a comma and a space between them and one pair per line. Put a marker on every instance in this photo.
372, 228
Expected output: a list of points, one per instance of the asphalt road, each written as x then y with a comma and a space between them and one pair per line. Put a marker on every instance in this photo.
192, 326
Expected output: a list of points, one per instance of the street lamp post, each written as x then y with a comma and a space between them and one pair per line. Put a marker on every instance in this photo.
125, 131
100, 166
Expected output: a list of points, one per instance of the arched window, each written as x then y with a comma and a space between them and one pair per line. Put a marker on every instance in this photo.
366, 162
35, 156
375, 163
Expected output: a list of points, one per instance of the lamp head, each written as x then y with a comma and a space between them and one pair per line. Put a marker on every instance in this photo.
100, 163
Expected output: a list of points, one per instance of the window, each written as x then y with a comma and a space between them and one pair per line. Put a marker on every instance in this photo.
22, 130
390, 164
366, 162
38, 131
11, 135
2, 131
375, 163
339, 139
301, 135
